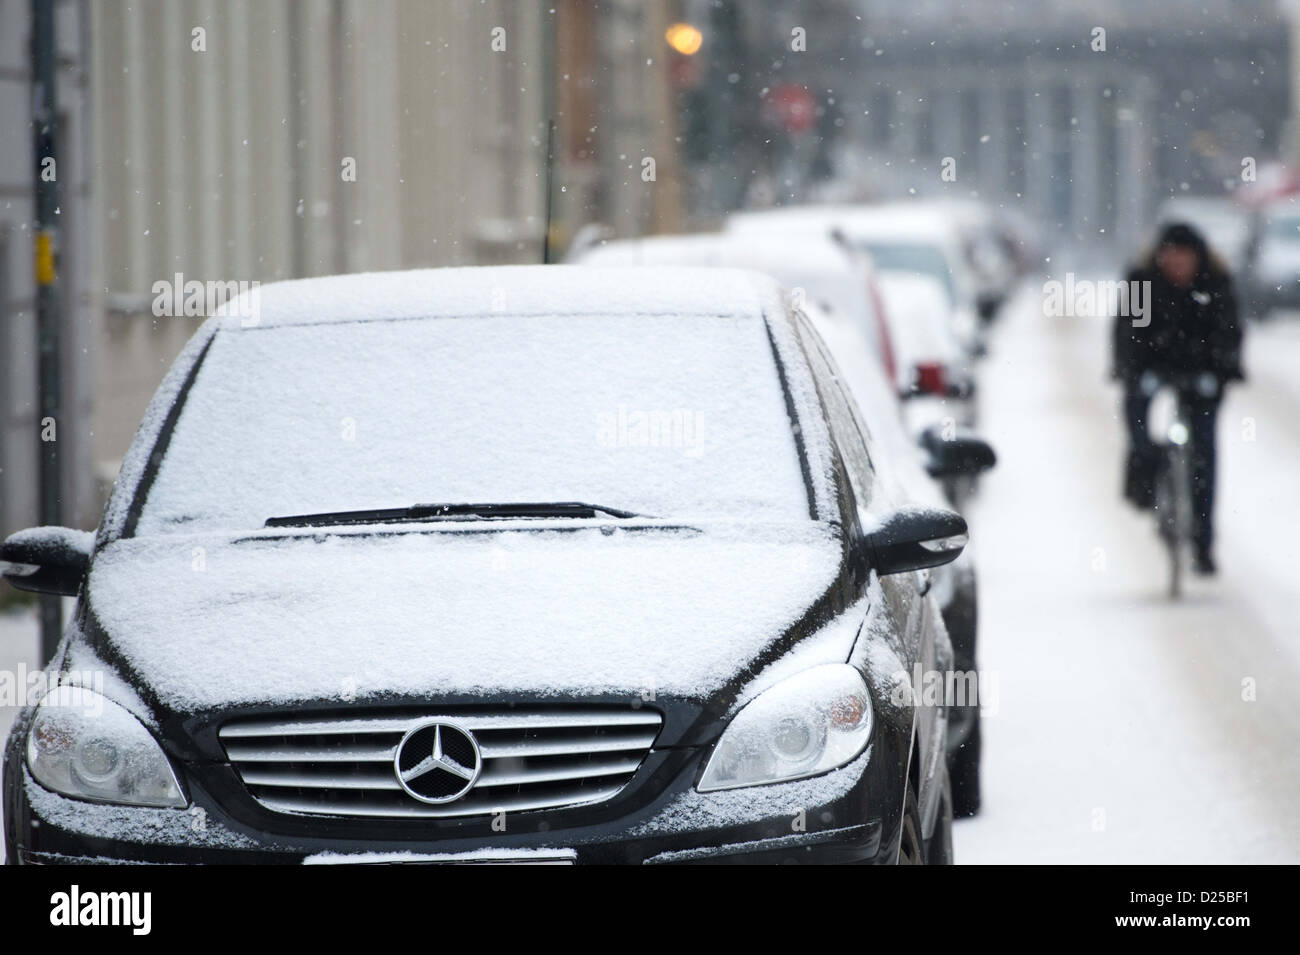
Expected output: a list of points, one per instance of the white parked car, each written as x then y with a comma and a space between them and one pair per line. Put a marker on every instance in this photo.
935, 372
1273, 279
899, 238
815, 269
986, 243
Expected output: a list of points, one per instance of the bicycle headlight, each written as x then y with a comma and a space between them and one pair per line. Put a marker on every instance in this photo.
803, 726
83, 745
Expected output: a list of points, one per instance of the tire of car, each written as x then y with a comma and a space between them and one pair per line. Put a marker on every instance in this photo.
964, 765
964, 768
911, 845
940, 848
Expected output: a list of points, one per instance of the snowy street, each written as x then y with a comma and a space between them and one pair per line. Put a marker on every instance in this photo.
1121, 734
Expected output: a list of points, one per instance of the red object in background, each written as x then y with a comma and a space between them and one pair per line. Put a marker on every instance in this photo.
1273, 181
791, 106
932, 378
684, 72
882, 330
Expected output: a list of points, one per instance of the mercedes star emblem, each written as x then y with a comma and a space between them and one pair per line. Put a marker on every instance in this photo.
437, 762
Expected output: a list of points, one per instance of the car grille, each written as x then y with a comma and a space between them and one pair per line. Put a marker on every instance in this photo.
343, 765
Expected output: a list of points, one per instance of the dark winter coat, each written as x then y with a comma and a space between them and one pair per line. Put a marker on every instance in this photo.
1193, 329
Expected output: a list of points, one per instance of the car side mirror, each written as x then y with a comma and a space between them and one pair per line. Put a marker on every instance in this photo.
47, 560
914, 538
961, 453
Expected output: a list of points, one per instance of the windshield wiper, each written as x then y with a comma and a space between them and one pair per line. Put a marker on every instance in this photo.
437, 512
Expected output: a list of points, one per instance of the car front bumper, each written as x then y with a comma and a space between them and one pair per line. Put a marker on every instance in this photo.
848, 816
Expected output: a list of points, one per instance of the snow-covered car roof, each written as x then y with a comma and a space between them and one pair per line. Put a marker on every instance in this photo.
818, 264
1224, 206
964, 212
772, 253
814, 268
519, 290
896, 223
896, 220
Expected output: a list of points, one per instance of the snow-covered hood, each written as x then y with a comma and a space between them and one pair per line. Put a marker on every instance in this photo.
208, 622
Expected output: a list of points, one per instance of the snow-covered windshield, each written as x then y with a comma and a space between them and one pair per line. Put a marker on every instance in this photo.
675, 416
912, 257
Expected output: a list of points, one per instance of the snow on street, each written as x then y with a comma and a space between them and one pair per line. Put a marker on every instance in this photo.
1124, 731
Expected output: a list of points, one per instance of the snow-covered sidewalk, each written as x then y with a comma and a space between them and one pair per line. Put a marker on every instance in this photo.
1130, 728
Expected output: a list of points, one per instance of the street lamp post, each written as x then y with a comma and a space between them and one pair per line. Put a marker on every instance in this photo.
45, 128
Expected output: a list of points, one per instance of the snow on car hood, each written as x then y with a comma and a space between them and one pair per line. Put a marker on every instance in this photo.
209, 622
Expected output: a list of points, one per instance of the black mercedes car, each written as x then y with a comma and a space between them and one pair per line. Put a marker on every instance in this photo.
520, 564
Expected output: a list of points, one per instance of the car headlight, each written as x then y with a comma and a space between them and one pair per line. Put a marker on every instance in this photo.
805, 725
84, 745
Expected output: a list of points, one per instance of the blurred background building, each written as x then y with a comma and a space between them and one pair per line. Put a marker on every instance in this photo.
1085, 115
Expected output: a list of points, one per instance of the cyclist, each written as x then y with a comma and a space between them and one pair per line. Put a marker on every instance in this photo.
1193, 339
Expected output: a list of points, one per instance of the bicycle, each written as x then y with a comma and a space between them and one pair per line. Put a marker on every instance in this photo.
1170, 428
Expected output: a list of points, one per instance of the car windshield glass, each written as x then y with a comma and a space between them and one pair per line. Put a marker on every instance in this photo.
912, 257
670, 416
1287, 227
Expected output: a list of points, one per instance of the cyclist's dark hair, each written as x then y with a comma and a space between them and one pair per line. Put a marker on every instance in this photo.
1188, 236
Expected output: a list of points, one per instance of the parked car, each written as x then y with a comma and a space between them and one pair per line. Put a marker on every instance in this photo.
937, 374
817, 269
898, 238
988, 245
1022, 239
508, 564
1272, 277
